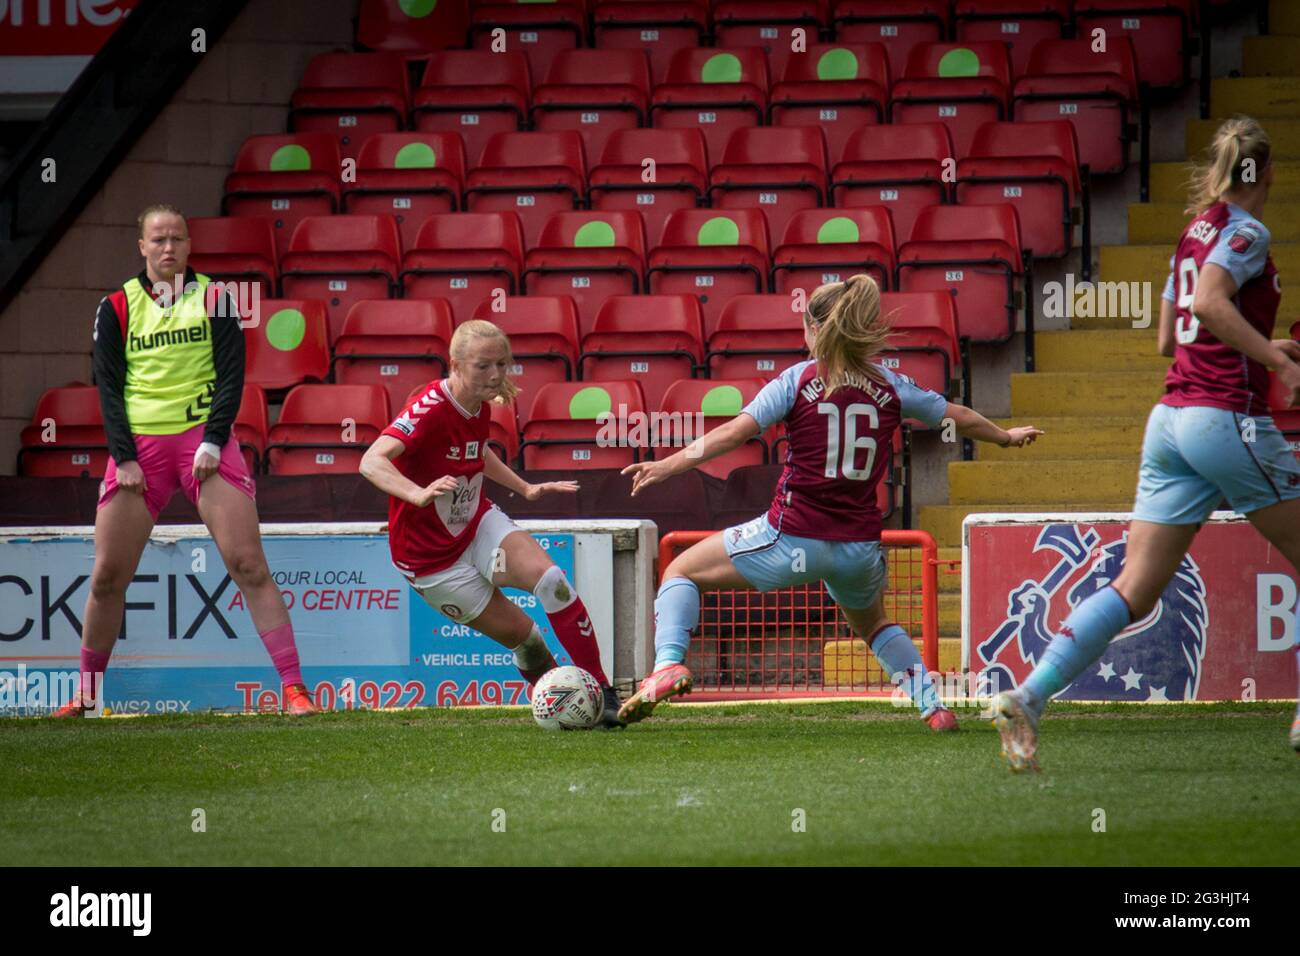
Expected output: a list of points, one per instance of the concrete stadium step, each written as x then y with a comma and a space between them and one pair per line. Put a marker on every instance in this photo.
1050, 483
944, 521
1071, 394
1283, 133
1283, 17
1072, 438
1169, 184
1099, 350
1271, 56
950, 652
1263, 97
1153, 223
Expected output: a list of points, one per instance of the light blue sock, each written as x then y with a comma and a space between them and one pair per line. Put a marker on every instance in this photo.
677, 612
900, 660
1079, 642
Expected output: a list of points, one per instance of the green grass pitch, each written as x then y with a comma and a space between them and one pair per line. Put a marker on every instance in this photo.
789, 784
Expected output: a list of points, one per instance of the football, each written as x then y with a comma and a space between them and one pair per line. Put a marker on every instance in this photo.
567, 698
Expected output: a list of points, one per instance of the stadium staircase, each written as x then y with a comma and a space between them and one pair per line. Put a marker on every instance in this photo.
1095, 384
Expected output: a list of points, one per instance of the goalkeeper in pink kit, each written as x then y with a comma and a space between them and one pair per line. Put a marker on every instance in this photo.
839, 408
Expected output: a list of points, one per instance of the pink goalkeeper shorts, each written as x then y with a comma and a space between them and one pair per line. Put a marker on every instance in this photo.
168, 463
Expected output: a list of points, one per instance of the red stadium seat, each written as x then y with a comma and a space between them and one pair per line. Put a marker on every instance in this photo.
715, 90
234, 249
681, 173
475, 93
594, 92
543, 333
829, 245
409, 176
66, 437
650, 339
252, 425
960, 85
463, 257
839, 87
712, 255
1034, 167
659, 27
899, 167
769, 25
532, 174
923, 343
576, 425
758, 336
777, 169
341, 260
325, 429
716, 402
351, 95
589, 256
398, 344
284, 179
1096, 92
503, 432
387, 26
973, 251
1018, 23
287, 345
540, 30
898, 24
1161, 31
1286, 419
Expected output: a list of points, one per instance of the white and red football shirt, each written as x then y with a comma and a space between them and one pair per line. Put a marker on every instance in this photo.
1205, 371
838, 448
441, 438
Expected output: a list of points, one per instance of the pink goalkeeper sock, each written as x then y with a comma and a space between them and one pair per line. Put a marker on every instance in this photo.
93, 665
284, 653
578, 637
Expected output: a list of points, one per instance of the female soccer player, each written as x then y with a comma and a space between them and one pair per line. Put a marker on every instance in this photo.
1216, 317
169, 363
460, 552
839, 408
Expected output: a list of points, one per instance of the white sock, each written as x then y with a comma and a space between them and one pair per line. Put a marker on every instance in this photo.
533, 652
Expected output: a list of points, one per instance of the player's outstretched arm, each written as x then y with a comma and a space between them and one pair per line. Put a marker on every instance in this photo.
497, 470
971, 424
721, 440
377, 467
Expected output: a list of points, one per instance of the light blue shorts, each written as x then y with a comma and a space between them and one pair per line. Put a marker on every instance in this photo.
1195, 456
854, 571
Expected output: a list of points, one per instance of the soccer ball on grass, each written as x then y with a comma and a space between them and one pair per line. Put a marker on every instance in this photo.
568, 698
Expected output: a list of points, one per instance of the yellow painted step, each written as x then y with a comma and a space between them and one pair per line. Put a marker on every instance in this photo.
944, 521
1085, 437
950, 652
1050, 483
1284, 134
1271, 56
1155, 223
950, 615
1169, 183
1099, 350
1262, 97
1071, 394
900, 568
1283, 17
1150, 262
846, 662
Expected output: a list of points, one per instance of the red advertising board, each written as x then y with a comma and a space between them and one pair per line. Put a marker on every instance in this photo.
58, 27
1224, 629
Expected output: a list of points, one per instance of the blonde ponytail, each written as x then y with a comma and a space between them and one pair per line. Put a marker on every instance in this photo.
851, 332
479, 328
1239, 144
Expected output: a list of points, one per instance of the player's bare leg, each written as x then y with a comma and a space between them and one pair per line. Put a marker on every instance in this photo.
231, 517
1280, 524
523, 564
510, 627
1151, 558
705, 566
122, 530
899, 659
